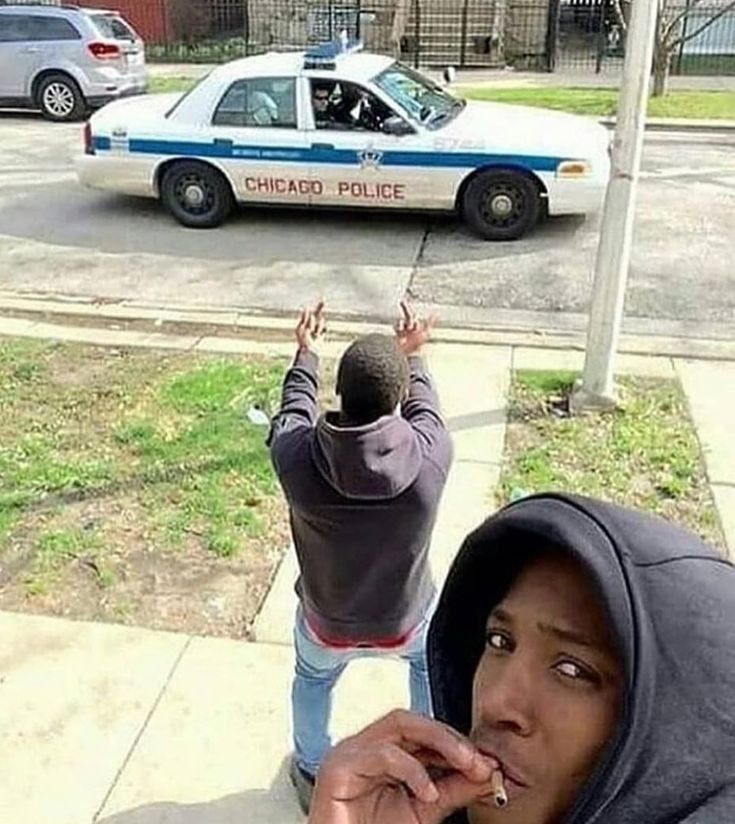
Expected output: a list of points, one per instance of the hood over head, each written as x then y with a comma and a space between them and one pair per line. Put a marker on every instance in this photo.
377, 461
670, 600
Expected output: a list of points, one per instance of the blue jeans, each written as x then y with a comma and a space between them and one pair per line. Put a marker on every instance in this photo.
318, 668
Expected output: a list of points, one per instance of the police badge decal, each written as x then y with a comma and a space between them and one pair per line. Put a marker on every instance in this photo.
370, 158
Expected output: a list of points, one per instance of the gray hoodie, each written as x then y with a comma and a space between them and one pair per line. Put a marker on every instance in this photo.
363, 502
670, 600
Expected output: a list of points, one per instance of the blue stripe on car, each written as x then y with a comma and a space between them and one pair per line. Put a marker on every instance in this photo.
347, 157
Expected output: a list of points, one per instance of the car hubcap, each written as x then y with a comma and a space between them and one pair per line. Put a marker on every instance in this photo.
59, 99
503, 205
194, 194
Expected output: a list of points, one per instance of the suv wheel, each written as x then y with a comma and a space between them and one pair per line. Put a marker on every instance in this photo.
60, 99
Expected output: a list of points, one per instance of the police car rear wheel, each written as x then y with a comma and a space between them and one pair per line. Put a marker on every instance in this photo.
197, 195
501, 205
61, 99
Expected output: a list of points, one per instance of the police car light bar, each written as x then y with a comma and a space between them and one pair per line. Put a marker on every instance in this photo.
324, 56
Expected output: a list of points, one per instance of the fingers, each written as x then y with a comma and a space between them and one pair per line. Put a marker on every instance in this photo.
407, 313
319, 320
409, 319
311, 325
388, 763
302, 327
416, 733
456, 792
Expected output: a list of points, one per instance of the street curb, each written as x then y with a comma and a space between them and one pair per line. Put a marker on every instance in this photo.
206, 329
680, 125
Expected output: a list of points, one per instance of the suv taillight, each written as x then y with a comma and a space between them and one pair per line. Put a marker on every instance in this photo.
105, 51
88, 139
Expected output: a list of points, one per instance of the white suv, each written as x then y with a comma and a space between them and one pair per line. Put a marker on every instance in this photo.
65, 60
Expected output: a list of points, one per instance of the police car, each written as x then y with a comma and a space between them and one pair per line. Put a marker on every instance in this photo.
338, 127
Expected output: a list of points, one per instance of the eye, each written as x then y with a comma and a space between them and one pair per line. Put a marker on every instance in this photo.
498, 640
576, 672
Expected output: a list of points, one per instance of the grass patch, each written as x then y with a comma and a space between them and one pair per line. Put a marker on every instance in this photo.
110, 460
645, 455
162, 85
55, 549
603, 102
715, 105
203, 51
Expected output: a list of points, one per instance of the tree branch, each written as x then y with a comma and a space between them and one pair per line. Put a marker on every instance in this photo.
619, 14
721, 13
679, 17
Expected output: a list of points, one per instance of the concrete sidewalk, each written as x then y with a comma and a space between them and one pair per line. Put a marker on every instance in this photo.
103, 723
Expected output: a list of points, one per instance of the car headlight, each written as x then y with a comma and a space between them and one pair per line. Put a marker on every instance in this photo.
574, 169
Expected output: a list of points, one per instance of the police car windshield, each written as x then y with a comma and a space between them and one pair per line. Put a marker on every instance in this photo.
420, 97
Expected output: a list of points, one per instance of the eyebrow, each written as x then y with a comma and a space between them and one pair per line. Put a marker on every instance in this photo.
562, 633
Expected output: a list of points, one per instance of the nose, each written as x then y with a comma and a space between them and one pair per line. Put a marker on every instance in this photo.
505, 697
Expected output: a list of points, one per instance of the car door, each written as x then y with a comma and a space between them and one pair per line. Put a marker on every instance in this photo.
356, 163
256, 127
56, 42
19, 56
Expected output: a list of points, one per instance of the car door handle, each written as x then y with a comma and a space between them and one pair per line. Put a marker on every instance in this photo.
32, 50
326, 146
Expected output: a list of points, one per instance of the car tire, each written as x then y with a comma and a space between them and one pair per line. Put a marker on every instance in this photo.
60, 99
196, 194
501, 205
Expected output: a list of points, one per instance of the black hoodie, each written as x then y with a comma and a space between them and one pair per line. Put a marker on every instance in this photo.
671, 602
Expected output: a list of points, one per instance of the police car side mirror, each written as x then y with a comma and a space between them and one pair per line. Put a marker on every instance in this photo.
397, 126
449, 74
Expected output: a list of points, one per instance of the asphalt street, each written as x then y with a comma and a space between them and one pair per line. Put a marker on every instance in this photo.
57, 237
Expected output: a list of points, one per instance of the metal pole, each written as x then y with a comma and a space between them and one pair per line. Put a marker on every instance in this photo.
616, 231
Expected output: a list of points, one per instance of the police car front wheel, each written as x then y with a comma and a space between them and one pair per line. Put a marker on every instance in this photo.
197, 195
501, 205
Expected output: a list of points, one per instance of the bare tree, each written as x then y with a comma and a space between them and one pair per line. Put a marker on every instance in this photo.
672, 33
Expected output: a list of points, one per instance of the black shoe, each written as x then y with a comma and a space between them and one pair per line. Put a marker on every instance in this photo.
303, 783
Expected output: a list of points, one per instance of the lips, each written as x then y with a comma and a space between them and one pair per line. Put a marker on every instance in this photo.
512, 774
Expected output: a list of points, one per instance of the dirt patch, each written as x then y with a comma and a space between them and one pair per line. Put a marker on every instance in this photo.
134, 488
138, 581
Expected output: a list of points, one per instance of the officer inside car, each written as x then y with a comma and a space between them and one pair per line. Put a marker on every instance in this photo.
346, 107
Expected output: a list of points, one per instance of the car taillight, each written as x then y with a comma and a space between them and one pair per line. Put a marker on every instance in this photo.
88, 139
105, 51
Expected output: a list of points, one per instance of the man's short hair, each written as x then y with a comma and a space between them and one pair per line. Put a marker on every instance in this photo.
372, 378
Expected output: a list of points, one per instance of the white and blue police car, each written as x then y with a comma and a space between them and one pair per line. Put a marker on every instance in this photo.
338, 127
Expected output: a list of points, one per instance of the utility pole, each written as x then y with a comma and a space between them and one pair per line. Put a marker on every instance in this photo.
616, 231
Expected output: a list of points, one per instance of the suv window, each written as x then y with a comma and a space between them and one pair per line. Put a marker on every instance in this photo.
267, 102
113, 27
14, 28
52, 28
